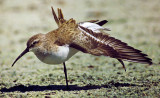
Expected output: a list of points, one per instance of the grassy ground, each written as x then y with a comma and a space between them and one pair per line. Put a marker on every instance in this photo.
136, 22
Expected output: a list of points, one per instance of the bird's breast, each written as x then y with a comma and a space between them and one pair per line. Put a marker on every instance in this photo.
62, 54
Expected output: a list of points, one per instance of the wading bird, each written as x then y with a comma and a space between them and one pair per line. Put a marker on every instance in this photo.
57, 46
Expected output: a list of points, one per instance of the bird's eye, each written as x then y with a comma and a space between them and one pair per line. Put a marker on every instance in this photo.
34, 43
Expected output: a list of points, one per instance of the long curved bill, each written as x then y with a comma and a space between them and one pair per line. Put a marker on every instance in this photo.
23, 53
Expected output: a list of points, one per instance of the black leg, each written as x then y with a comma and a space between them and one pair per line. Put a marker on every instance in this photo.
122, 64
65, 72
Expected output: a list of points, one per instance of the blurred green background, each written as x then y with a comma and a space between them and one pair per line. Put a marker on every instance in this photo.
136, 22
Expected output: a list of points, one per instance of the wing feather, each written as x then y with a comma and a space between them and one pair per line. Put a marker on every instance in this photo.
60, 19
100, 44
87, 41
55, 16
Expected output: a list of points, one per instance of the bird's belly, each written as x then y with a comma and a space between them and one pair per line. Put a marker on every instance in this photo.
62, 55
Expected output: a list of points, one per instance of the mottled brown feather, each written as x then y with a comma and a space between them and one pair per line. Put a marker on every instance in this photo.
55, 16
60, 19
65, 33
60, 16
122, 50
87, 41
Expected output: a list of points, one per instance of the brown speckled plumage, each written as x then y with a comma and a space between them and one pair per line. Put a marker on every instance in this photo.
59, 45
93, 43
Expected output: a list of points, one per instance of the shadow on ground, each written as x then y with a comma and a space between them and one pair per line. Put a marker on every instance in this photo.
23, 88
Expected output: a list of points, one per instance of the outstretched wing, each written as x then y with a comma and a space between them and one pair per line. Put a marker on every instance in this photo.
100, 44
89, 37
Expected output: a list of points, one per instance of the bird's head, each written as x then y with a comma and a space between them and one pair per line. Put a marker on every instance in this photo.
32, 45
